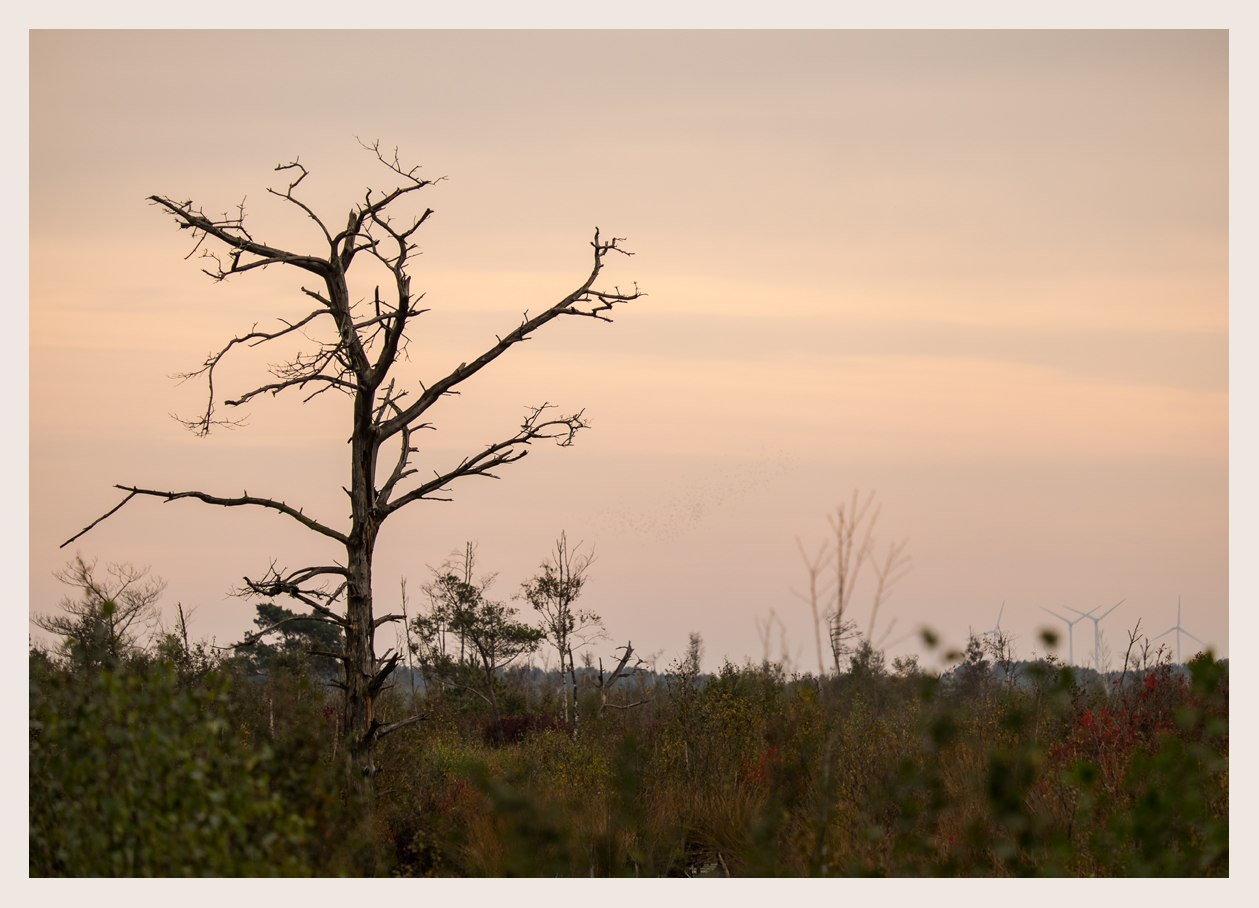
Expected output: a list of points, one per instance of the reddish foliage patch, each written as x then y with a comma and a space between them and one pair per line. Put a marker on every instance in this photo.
1143, 713
454, 796
756, 772
517, 728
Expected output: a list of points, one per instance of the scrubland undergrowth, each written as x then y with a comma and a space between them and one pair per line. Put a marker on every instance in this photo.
171, 762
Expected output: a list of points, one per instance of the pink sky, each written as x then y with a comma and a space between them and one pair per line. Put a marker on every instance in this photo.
985, 274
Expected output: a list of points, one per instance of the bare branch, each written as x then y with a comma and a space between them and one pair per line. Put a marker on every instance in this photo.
253, 339
231, 231
327, 381
275, 584
389, 729
387, 664
288, 196
599, 301
369, 209
396, 324
605, 684
400, 470
97, 520
892, 571
848, 566
563, 428
245, 499
818, 589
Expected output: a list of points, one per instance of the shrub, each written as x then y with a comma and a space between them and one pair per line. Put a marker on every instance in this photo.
134, 774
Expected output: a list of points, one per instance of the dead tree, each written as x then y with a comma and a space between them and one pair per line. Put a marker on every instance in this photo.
830, 595
622, 670
355, 344
765, 631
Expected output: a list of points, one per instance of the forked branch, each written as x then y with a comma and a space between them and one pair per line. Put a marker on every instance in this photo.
621, 671
231, 232
596, 302
562, 429
318, 599
202, 425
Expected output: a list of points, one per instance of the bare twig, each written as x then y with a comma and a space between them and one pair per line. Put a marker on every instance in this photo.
97, 520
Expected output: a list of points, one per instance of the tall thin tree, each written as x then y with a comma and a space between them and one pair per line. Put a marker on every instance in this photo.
853, 547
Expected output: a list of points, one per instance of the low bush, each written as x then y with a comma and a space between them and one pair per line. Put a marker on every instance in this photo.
136, 773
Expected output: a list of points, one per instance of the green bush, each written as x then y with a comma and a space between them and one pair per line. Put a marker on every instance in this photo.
133, 773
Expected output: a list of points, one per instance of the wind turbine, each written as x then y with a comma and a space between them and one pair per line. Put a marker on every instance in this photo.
996, 632
1179, 630
1070, 632
1097, 633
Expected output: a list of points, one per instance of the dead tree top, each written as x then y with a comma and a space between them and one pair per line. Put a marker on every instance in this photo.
362, 342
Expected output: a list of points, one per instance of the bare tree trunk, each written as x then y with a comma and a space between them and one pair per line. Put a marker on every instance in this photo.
406, 633
359, 664
489, 686
564, 685
572, 674
817, 589
360, 654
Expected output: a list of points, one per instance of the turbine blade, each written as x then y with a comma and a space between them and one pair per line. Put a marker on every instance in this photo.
1087, 614
1111, 609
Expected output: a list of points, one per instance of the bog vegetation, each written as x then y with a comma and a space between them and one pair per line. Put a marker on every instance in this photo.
154, 755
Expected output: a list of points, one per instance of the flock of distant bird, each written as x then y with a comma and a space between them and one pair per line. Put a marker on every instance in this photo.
1097, 633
